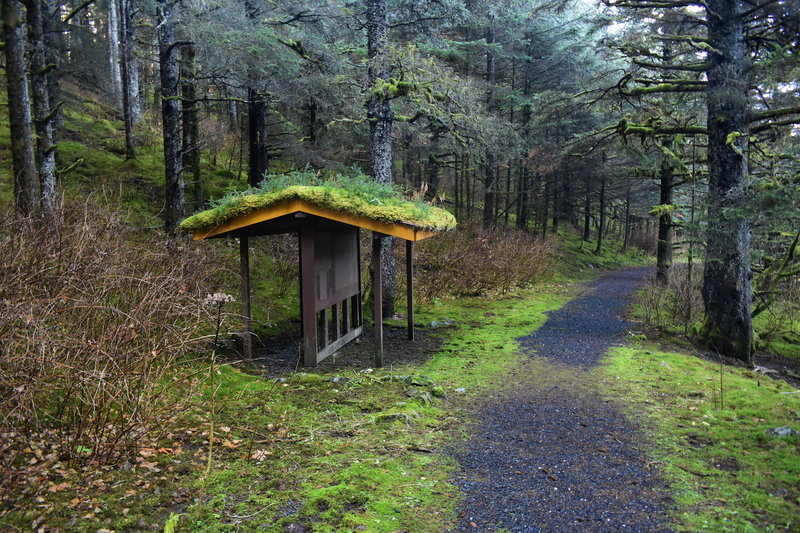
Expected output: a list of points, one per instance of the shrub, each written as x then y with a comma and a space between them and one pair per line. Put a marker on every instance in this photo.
94, 316
471, 261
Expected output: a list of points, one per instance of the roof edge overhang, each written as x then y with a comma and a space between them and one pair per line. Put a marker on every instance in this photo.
297, 205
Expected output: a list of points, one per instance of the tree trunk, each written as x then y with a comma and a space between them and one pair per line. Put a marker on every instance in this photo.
26, 184
601, 227
191, 138
727, 291
587, 206
128, 37
627, 234
114, 52
43, 115
490, 164
125, 66
171, 118
664, 244
258, 157
54, 50
381, 117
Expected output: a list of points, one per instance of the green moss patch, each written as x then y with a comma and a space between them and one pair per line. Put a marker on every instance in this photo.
710, 433
353, 195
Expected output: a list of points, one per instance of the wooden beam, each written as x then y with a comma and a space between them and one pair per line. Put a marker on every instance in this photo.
410, 288
308, 293
377, 295
244, 268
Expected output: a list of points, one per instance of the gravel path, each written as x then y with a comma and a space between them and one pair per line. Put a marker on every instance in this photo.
549, 453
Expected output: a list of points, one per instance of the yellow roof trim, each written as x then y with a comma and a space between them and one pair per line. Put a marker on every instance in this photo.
396, 229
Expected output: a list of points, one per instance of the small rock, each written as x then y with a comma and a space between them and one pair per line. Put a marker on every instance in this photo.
437, 392
782, 431
391, 417
442, 323
664, 364
339, 379
460, 390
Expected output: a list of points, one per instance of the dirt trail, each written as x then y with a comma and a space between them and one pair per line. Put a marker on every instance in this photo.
549, 453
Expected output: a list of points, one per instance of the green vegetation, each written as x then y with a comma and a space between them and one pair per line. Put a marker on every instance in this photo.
334, 450
354, 195
708, 432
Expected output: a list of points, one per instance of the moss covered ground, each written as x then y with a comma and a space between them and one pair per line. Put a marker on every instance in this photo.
708, 429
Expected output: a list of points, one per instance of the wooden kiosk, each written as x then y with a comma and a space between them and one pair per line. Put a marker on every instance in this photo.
329, 232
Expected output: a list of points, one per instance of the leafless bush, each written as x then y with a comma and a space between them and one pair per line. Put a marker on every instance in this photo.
471, 261
645, 238
679, 302
93, 317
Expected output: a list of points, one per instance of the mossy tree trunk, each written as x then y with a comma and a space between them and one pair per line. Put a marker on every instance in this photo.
127, 62
257, 133
190, 119
601, 226
114, 51
727, 291
26, 184
171, 118
490, 163
664, 243
43, 114
381, 118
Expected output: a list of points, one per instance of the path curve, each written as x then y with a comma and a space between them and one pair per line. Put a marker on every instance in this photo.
549, 453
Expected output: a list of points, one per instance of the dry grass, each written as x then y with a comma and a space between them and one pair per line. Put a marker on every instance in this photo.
471, 261
93, 318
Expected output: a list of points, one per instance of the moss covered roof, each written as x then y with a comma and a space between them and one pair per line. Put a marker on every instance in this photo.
382, 208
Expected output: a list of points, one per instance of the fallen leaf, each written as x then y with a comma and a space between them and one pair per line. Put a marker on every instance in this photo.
59, 487
74, 502
260, 455
602, 450
551, 476
473, 524
147, 452
225, 429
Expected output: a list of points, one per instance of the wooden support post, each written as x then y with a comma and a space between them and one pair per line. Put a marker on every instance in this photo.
244, 268
377, 295
308, 293
410, 288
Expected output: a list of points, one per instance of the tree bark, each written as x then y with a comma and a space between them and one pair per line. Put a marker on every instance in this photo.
727, 291
171, 118
601, 227
381, 118
664, 243
114, 52
191, 138
128, 38
490, 163
258, 158
126, 61
54, 51
43, 115
26, 184
587, 205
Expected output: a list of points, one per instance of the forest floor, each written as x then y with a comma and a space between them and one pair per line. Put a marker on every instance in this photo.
549, 452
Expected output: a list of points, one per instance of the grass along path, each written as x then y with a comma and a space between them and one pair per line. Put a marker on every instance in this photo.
332, 449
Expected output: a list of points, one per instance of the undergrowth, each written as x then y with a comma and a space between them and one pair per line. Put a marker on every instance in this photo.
95, 319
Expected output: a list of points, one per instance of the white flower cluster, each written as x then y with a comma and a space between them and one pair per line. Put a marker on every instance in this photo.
218, 299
